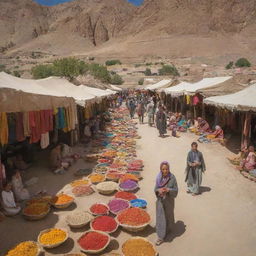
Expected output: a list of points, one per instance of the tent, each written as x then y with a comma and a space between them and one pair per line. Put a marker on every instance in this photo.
178, 89
115, 88
206, 83
96, 92
161, 84
244, 100
235, 84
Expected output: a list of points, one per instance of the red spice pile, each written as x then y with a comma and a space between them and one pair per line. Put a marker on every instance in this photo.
125, 195
133, 217
104, 223
99, 209
93, 241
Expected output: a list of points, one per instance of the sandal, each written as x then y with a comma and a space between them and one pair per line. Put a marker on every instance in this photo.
159, 242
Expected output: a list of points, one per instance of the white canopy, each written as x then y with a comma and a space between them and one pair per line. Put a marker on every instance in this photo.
206, 83
115, 88
192, 88
244, 100
178, 89
53, 86
159, 85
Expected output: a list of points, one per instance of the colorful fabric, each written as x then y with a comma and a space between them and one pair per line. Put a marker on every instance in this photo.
19, 127
4, 132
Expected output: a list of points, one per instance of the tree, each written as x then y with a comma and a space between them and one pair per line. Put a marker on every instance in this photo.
100, 72
141, 81
148, 72
243, 62
230, 65
113, 62
117, 79
42, 71
168, 70
16, 73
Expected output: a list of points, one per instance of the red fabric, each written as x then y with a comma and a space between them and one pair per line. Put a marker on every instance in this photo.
195, 100
43, 121
19, 127
48, 119
35, 126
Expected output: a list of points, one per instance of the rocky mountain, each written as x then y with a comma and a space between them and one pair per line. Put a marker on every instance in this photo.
115, 26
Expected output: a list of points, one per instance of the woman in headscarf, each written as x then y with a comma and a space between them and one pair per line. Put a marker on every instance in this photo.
166, 189
203, 125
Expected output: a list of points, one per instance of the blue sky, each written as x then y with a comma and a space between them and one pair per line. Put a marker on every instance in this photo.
54, 2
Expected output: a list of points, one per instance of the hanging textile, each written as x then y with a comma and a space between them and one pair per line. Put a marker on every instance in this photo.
188, 99
195, 100
11, 117
26, 124
3, 129
19, 127
247, 124
45, 141
61, 118
35, 126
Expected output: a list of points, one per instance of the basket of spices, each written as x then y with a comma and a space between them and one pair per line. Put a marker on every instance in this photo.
79, 182
40, 199
105, 224
53, 237
137, 246
62, 201
94, 242
139, 202
78, 219
128, 185
99, 209
117, 205
36, 211
96, 178
133, 219
125, 195
82, 190
107, 187
128, 176
28, 248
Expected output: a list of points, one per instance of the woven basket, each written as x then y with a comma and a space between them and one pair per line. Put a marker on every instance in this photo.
100, 214
49, 246
106, 192
82, 224
63, 206
128, 190
136, 237
116, 213
109, 232
95, 251
36, 217
39, 248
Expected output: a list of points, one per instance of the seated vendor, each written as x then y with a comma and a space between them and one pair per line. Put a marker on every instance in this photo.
18, 188
9, 204
57, 164
249, 163
203, 125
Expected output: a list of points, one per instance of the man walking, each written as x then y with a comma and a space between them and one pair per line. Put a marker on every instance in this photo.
194, 170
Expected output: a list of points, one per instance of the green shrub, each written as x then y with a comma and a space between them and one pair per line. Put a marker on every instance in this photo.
2, 67
148, 63
148, 72
16, 67
113, 62
137, 65
243, 62
42, 71
117, 79
168, 70
141, 81
100, 72
16, 73
230, 65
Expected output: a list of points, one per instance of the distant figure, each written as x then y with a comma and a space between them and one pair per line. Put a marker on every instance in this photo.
132, 108
166, 189
56, 163
141, 111
249, 163
20, 192
151, 113
161, 121
194, 170
203, 125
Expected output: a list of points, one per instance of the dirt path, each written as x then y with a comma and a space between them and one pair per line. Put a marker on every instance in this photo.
222, 220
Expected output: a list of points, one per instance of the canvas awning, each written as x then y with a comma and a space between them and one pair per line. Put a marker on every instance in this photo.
115, 88
161, 84
235, 84
178, 89
96, 91
244, 100
205, 83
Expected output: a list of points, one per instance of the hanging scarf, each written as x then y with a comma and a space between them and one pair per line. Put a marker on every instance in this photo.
160, 180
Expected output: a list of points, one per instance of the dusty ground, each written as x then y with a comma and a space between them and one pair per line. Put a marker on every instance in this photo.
221, 221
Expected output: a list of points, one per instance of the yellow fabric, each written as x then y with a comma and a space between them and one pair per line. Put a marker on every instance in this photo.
3, 129
188, 99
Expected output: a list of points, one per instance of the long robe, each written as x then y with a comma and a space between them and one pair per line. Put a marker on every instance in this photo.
161, 122
194, 174
165, 208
